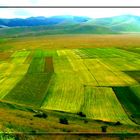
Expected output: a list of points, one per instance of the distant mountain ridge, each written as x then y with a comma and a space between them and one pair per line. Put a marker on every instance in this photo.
69, 25
38, 21
126, 23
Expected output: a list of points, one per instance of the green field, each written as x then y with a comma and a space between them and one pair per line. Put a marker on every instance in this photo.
103, 83
101, 103
62, 88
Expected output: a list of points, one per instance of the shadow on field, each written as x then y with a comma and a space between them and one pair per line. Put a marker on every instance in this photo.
129, 101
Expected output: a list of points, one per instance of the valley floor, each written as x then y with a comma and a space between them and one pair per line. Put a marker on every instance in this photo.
70, 84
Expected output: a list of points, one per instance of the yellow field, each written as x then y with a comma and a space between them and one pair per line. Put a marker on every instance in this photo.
74, 41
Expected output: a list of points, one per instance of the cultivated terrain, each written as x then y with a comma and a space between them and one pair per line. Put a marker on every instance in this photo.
76, 81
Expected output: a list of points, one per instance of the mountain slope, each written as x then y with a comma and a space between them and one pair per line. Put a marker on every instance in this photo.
37, 21
69, 25
63, 29
124, 23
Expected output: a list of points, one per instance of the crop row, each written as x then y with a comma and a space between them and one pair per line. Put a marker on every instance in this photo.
105, 53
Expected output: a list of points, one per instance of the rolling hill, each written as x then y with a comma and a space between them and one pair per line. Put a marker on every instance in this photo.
124, 23
59, 29
69, 25
38, 21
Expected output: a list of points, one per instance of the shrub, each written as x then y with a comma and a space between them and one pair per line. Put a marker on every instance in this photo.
63, 120
85, 121
118, 123
33, 132
104, 128
41, 115
81, 114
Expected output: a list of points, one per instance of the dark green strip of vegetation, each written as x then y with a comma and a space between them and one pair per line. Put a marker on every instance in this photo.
31, 90
37, 63
50, 53
129, 101
135, 50
36, 66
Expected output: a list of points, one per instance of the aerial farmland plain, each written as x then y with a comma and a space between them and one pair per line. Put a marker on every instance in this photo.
69, 83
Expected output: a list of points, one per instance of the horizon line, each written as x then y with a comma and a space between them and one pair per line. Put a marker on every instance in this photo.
72, 15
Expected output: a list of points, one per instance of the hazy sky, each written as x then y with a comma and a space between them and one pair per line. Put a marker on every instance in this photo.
71, 2
91, 12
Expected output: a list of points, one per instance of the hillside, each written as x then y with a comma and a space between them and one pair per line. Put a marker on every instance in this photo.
59, 29
38, 21
124, 23
69, 25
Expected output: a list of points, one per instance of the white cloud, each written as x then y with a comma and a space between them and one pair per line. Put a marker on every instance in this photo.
71, 2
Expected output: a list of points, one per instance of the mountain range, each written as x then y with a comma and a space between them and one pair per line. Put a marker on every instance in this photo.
69, 25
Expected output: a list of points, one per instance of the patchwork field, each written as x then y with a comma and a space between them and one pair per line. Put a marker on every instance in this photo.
101, 83
106, 108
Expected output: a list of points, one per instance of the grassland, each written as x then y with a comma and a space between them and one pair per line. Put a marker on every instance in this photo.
69, 74
71, 41
16, 118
